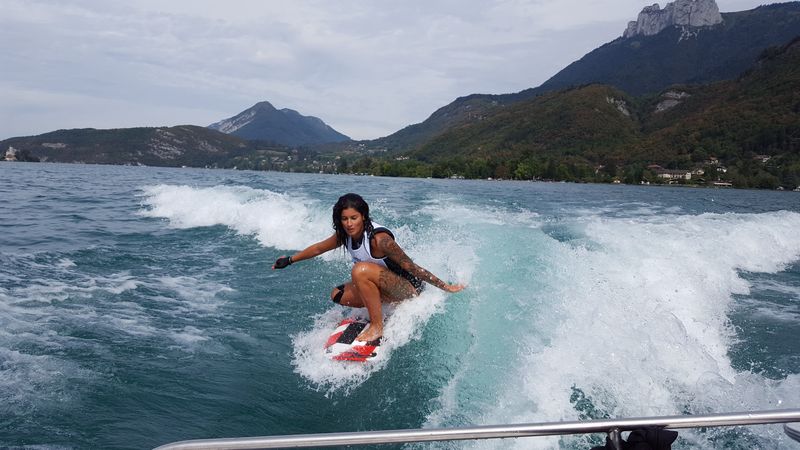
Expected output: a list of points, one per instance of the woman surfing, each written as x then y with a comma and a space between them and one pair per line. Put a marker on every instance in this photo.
382, 272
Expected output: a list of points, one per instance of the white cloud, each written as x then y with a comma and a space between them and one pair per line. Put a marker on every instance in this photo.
368, 68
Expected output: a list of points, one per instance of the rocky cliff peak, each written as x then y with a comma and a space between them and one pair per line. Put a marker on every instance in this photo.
692, 13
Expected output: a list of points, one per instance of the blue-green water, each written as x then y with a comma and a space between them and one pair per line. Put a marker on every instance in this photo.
137, 307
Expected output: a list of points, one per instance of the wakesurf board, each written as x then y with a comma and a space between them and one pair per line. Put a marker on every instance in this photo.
342, 345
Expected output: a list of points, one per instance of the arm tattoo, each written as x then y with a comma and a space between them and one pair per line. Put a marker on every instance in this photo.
396, 254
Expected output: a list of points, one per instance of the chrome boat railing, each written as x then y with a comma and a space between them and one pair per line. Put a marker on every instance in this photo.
612, 427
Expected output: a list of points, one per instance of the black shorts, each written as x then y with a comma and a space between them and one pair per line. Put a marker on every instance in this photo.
418, 284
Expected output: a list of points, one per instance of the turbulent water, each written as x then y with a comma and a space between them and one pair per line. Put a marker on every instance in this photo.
137, 307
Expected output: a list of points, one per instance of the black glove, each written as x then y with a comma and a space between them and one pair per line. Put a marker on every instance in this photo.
282, 262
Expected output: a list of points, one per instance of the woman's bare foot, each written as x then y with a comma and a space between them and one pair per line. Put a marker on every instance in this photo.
371, 333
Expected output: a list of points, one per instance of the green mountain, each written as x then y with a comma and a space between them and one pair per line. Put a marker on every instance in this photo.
750, 125
167, 146
636, 65
462, 111
569, 122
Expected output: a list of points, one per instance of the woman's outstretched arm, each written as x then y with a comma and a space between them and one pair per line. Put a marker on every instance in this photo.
307, 253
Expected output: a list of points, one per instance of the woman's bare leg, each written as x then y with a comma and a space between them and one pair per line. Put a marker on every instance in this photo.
374, 284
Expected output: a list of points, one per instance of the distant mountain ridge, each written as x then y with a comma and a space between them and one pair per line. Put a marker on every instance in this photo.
263, 122
185, 145
636, 65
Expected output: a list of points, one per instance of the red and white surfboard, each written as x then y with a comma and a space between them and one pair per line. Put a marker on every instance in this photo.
342, 344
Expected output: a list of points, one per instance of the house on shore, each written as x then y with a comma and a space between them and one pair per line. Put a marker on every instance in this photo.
669, 175
11, 154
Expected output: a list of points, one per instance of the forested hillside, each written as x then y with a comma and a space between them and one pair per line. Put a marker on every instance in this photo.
745, 131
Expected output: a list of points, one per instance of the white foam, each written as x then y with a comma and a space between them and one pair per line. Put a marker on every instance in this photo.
49, 290
276, 220
31, 314
96, 300
189, 336
450, 210
310, 362
638, 324
194, 294
630, 209
65, 263
402, 325
27, 382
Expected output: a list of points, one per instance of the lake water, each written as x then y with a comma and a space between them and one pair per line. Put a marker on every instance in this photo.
137, 307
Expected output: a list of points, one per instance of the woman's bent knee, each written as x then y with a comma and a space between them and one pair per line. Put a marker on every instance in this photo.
361, 270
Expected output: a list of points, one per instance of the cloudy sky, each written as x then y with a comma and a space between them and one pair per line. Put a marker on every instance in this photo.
366, 67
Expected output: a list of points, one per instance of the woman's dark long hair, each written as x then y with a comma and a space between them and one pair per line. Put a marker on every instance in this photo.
349, 201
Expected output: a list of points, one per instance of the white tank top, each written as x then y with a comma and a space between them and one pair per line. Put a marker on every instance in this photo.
363, 252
